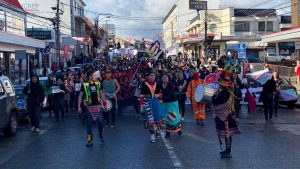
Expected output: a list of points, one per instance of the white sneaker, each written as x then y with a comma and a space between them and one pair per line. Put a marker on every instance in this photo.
32, 128
153, 138
182, 118
37, 130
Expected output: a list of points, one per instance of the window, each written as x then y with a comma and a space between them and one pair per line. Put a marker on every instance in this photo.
262, 25
2, 21
242, 27
7, 86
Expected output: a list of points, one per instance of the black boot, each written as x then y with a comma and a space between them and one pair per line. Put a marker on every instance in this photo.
167, 135
179, 133
226, 154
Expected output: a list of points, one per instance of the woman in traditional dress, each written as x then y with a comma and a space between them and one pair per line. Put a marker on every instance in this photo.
223, 102
171, 108
151, 106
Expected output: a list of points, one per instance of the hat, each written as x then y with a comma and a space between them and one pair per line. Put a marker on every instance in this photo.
225, 76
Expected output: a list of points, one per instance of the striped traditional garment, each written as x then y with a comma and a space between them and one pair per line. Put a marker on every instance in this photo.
223, 110
94, 110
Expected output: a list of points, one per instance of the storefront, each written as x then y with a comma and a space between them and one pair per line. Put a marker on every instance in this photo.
13, 67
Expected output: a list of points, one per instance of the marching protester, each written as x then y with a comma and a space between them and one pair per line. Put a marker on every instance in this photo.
50, 99
71, 87
151, 106
277, 92
67, 95
222, 103
93, 99
78, 83
137, 84
198, 108
111, 88
59, 100
238, 86
267, 95
171, 108
34, 94
180, 91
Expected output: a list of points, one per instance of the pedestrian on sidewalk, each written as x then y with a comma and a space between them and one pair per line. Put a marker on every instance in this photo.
171, 108
93, 100
59, 100
226, 126
35, 95
151, 106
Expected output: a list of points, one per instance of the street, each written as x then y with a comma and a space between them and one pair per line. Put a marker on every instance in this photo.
62, 145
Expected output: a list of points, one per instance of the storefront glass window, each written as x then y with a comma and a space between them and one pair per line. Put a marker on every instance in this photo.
15, 24
2, 21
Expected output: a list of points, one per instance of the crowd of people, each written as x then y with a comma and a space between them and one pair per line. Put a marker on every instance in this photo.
160, 90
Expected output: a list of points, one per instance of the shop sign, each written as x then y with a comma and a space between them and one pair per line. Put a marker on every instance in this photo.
254, 37
197, 5
39, 34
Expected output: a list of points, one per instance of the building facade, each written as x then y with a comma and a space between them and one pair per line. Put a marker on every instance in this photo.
174, 25
15, 47
72, 25
229, 24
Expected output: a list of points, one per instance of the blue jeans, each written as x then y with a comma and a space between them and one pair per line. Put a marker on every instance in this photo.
89, 123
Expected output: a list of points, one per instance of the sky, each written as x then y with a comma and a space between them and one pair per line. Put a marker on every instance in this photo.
147, 28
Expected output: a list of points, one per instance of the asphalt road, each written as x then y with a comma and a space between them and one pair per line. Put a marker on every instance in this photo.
62, 145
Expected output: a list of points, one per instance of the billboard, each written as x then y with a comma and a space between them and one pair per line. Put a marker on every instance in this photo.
197, 5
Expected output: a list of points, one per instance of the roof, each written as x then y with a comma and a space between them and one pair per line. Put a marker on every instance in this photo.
173, 8
255, 12
15, 3
286, 19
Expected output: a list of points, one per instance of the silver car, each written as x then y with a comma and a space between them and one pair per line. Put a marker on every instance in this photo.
8, 107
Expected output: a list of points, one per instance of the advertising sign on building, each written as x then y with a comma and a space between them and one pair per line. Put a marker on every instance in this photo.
241, 50
197, 5
39, 34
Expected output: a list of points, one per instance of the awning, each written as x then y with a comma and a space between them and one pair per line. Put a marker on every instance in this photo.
21, 40
290, 35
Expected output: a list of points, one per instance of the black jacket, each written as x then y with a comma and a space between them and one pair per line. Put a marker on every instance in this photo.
36, 95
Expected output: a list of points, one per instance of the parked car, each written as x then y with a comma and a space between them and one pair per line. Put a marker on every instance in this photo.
8, 107
43, 81
273, 57
21, 102
255, 89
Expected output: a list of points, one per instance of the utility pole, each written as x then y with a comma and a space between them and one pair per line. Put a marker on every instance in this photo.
205, 34
58, 31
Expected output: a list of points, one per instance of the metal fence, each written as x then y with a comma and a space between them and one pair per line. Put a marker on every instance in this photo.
283, 71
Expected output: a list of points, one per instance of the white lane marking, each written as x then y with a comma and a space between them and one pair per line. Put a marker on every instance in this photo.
174, 158
279, 129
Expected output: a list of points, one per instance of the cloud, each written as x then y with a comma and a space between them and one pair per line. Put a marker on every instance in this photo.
156, 8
